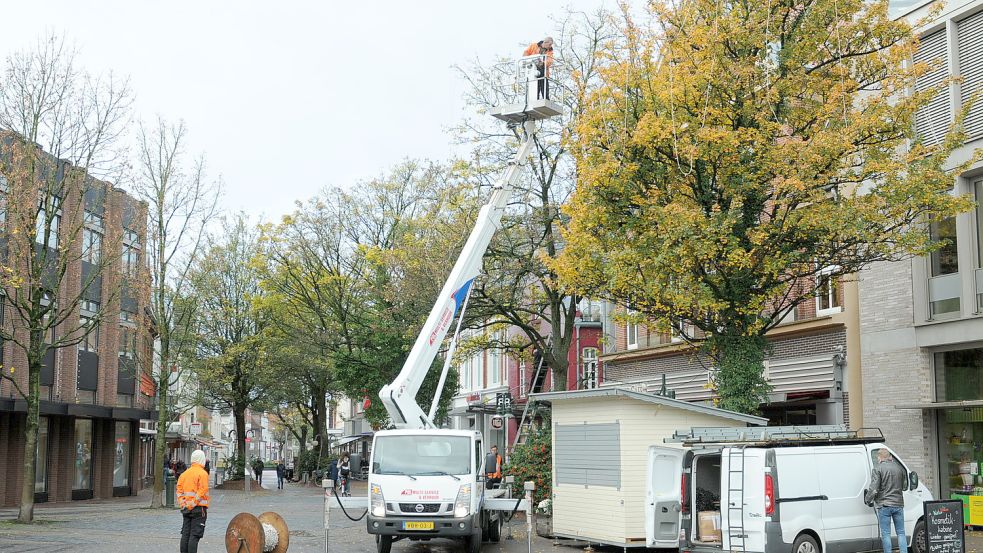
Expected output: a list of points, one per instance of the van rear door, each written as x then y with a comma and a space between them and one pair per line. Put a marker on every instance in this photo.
742, 499
663, 494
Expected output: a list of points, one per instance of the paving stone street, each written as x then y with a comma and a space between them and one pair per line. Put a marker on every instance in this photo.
128, 525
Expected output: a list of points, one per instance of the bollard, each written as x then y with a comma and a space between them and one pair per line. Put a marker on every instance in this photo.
170, 485
529, 487
328, 485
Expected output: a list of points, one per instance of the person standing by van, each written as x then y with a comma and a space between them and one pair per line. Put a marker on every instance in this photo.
887, 482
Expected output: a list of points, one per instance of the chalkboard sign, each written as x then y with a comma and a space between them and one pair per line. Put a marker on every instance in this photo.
944, 526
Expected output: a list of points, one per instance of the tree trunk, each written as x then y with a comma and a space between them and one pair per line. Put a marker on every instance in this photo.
26, 512
320, 413
303, 440
160, 440
239, 413
740, 379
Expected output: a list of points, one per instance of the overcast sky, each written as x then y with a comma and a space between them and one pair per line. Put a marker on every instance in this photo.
286, 98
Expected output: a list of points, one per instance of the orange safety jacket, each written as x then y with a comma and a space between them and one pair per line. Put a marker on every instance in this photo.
192, 488
498, 468
535, 49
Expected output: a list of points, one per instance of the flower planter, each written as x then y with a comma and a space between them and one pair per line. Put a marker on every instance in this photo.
544, 526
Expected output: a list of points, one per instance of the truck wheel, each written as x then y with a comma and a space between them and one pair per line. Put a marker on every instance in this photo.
384, 544
918, 544
474, 544
495, 531
805, 544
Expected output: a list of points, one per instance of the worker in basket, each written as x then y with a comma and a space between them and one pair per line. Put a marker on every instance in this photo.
544, 49
493, 468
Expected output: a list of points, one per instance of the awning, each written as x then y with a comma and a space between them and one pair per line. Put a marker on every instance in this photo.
349, 439
966, 404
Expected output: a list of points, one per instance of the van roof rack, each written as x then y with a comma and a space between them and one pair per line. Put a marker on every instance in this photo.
777, 435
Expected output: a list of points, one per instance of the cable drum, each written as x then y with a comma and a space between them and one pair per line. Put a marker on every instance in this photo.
266, 533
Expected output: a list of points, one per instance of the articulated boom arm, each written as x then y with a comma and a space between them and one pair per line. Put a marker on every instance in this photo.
399, 397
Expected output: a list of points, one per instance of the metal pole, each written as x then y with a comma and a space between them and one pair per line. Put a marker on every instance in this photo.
328, 485
509, 480
529, 487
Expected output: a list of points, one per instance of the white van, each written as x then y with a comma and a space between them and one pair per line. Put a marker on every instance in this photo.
771, 489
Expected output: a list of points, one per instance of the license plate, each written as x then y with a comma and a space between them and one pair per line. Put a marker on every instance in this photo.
428, 525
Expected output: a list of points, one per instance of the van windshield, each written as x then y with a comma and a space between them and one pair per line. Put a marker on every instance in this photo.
421, 455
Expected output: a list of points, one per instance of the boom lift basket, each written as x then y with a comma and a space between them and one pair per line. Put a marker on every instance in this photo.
522, 95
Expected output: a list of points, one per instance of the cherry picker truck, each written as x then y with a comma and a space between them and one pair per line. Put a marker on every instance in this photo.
427, 482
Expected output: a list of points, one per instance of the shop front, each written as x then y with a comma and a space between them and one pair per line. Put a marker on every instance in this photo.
959, 416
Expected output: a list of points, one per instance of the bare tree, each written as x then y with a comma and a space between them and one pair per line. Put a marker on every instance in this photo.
180, 203
61, 129
522, 290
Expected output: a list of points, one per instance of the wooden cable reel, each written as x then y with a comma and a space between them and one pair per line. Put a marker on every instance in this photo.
266, 533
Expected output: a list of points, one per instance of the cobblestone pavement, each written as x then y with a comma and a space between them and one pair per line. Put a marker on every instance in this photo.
128, 525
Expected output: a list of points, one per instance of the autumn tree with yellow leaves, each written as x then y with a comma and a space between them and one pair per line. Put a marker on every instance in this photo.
731, 149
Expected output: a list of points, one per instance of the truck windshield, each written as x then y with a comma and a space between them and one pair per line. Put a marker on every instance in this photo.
422, 454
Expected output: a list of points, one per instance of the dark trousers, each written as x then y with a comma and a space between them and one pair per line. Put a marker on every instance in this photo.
279, 481
192, 530
542, 85
491, 482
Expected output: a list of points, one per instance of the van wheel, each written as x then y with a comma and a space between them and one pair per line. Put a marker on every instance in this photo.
805, 544
384, 544
918, 544
495, 531
474, 543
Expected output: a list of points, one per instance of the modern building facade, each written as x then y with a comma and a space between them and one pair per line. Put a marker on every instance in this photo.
91, 443
921, 325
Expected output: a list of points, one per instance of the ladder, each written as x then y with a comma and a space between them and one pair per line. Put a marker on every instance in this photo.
538, 377
735, 501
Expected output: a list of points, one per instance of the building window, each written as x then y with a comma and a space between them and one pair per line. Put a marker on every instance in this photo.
631, 330
91, 245
129, 260
90, 342
83, 455
121, 460
944, 260
978, 190
41, 463
588, 369
49, 224
827, 291
523, 383
127, 342
944, 285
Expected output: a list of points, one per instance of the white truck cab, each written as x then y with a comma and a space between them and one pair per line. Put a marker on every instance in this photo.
426, 484
772, 493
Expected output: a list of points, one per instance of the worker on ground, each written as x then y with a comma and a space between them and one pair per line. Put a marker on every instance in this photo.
542, 48
887, 482
192, 498
493, 468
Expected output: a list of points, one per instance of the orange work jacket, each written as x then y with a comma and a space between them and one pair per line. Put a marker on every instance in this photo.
192, 488
497, 473
534, 49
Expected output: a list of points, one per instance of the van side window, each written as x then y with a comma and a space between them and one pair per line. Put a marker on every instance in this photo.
873, 462
477, 457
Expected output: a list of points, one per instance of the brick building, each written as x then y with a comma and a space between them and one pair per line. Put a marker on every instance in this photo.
921, 331
490, 372
93, 395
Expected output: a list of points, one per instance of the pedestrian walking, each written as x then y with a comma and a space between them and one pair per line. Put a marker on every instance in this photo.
180, 468
493, 468
345, 472
544, 49
192, 497
258, 470
281, 473
208, 466
887, 482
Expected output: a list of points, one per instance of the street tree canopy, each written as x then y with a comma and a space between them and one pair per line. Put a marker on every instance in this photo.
731, 150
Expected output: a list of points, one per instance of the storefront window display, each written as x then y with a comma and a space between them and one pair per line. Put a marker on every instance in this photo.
960, 378
83, 455
121, 459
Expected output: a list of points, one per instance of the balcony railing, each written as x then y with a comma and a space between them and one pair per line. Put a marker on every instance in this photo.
943, 294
